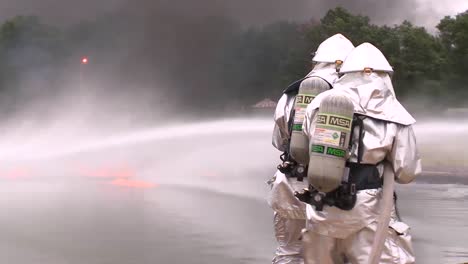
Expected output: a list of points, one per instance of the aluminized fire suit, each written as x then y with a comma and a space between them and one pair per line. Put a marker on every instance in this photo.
334, 234
289, 212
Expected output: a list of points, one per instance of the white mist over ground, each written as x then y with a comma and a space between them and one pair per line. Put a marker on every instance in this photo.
186, 192
443, 145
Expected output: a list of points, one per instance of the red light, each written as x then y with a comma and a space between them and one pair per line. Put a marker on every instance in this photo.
84, 61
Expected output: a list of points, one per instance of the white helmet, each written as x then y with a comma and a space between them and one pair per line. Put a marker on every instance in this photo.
333, 49
366, 57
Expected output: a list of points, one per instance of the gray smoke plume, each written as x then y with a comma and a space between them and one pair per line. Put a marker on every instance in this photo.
424, 12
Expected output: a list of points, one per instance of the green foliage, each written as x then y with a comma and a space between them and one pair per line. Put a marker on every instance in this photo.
355, 27
453, 34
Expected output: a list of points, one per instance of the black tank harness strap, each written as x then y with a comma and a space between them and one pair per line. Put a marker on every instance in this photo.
358, 121
292, 90
375, 180
372, 180
364, 176
289, 165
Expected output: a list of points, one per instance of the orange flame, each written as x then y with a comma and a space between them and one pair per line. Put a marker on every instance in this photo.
132, 183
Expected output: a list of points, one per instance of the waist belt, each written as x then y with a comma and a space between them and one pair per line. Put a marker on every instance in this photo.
361, 177
364, 176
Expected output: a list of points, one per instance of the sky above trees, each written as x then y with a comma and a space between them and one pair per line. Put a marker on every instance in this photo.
421, 12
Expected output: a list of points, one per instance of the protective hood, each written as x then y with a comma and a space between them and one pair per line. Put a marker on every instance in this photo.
325, 71
336, 47
372, 95
365, 56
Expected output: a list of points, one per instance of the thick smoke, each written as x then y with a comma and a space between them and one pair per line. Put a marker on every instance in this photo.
426, 12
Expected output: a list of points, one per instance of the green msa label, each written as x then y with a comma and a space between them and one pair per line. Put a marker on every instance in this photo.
336, 152
330, 151
318, 149
297, 127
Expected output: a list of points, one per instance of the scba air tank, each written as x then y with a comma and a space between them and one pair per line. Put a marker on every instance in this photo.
330, 141
308, 90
